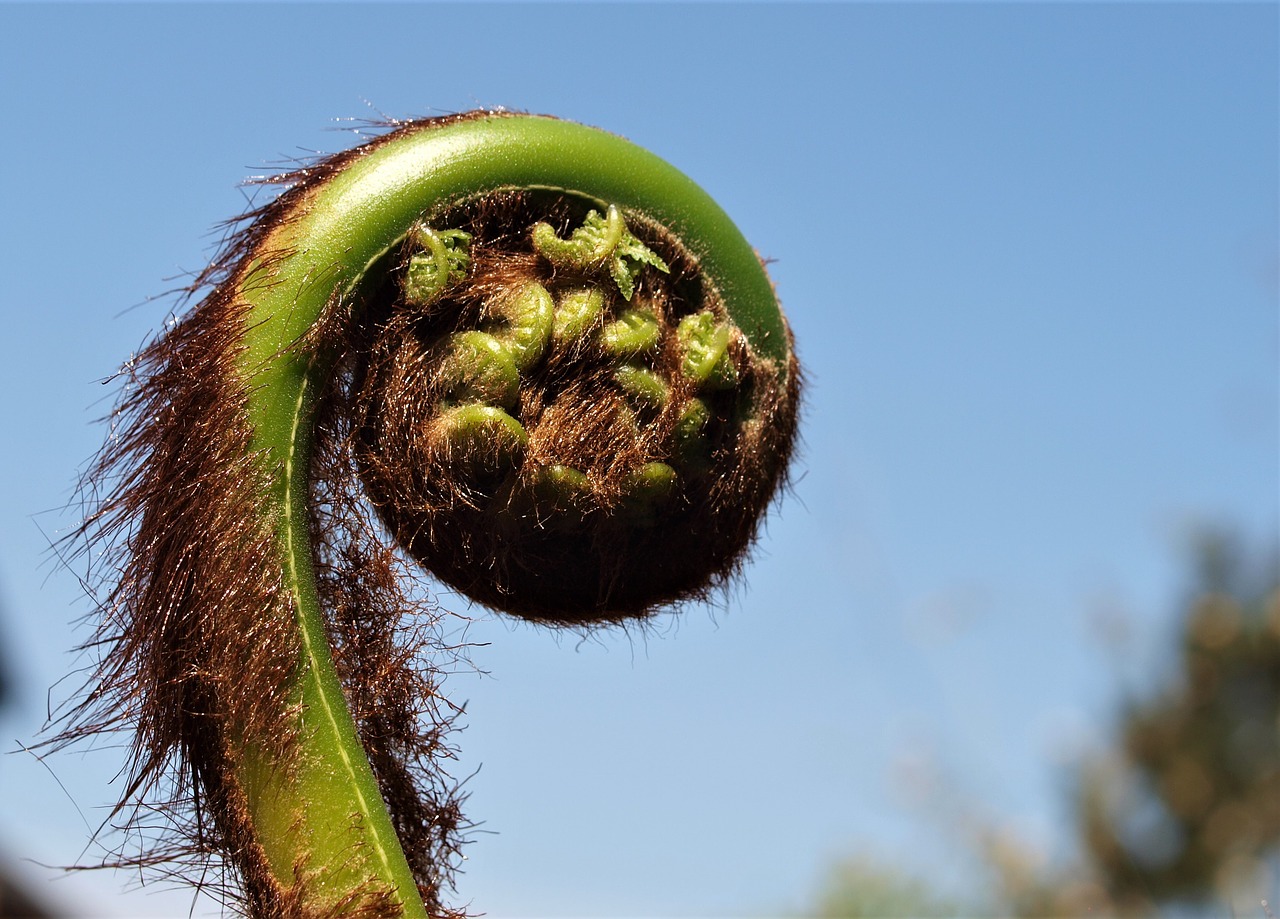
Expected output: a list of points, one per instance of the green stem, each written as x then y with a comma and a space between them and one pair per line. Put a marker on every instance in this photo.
325, 813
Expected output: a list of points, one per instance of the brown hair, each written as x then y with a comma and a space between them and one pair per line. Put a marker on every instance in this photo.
634, 483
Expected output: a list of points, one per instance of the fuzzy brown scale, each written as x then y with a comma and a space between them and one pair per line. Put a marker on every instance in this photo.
554, 531
197, 642
189, 628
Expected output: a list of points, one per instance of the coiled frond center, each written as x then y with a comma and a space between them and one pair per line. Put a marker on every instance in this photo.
581, 418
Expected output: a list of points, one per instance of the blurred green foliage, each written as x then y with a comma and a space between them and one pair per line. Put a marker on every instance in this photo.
863, 889
1189, 807
1183, 812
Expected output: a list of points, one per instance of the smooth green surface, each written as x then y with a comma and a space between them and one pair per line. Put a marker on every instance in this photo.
333, 819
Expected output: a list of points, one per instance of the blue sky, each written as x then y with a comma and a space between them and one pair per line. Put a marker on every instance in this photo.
1030, 256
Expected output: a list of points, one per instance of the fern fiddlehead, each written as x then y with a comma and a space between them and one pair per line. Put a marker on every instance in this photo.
565, 382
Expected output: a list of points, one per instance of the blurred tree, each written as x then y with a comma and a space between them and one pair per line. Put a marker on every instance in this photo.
1183, 812
861, 888
1189, 808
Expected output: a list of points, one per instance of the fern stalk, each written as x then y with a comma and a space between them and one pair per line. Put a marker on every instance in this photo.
303, 819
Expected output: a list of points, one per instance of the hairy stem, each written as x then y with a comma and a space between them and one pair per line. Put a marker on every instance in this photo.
323, 814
